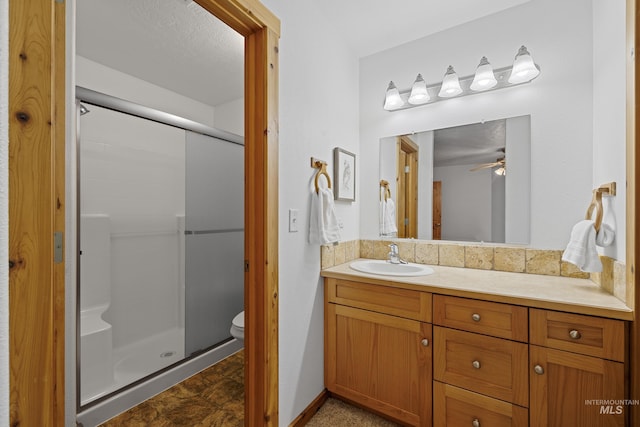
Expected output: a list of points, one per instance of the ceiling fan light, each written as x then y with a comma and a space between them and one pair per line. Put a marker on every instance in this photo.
484, 78
524, 69
501, 171
419, 94
392, 99
450, 84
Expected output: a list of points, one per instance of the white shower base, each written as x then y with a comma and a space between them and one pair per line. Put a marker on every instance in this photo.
142, 358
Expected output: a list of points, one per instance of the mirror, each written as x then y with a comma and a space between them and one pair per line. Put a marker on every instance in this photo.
465, 183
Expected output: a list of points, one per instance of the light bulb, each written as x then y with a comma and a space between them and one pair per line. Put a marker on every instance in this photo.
392, 99
450, 84
524, 69
419, 94
484, 78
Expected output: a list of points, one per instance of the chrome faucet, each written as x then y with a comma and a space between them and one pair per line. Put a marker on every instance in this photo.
394, 255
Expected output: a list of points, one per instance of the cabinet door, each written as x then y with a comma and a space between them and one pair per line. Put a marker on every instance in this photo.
380, 361
567, 389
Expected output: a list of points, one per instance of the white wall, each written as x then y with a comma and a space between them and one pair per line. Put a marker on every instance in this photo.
609, 92
425, 192
466, 203
4, 213
559, 102
230, 116
318, 111
101, 78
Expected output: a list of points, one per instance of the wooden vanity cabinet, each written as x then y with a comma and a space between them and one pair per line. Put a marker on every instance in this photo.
379, 360
494, 364
576, 361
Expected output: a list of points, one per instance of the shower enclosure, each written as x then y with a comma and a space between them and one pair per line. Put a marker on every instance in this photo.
161, 235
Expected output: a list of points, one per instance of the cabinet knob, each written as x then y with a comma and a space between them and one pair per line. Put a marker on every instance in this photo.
476, 364
475, 422
425, 342
575, 334
475, 317
538, 369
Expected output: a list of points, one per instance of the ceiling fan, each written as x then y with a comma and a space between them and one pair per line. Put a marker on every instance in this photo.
501, 162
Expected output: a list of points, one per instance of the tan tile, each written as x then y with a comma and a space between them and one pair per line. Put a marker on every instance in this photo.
348, 250
327, 256
540, 261
340, 253
478, 257
407, 250
606, 276
366, 249
620, 281
509, 259
426, 253
356, 249
381, 249
570, 270
451, 255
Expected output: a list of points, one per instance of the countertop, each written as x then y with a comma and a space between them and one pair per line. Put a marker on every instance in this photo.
580, 296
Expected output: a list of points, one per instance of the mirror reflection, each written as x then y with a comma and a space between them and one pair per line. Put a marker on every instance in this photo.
466, 183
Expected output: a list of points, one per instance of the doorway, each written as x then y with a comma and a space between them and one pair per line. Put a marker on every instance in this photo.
407, 187
38, 204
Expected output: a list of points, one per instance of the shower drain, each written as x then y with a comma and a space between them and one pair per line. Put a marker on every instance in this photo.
167, 354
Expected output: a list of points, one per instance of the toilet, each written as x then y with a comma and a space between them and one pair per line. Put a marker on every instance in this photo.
237, 326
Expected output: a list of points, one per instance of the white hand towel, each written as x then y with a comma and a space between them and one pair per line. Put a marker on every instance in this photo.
323, 224
581, 249
388, 217
605, 236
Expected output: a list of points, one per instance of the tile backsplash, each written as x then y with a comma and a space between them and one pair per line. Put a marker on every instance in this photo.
483, 257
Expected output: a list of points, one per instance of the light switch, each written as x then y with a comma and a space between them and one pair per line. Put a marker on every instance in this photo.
293, 220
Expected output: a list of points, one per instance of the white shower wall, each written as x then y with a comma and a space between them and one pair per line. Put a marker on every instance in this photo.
133, 170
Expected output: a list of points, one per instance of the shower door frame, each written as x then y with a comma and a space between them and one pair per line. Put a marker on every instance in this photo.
37, 207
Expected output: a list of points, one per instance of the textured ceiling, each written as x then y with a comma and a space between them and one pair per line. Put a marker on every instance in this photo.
469, 144
179, 46
172, 43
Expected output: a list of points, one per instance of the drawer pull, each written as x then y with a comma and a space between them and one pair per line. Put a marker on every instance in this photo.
538, 369
574, 334
475, 422
476, 364
425, 342
475, 317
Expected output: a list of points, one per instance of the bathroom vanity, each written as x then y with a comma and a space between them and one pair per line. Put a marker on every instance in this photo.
464, 347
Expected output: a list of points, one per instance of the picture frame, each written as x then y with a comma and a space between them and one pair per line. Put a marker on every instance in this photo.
344, 175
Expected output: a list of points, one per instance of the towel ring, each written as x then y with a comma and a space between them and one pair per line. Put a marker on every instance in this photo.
387, 192
596, 203
323, 171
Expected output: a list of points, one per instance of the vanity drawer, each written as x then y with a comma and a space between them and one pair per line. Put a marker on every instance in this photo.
456, 407
589, 335
491, 318
491, 366
382, 299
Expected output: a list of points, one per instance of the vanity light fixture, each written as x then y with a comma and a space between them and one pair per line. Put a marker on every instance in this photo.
450, 84
485, 79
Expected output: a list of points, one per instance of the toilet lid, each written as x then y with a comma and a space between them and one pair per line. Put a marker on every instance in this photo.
238, 321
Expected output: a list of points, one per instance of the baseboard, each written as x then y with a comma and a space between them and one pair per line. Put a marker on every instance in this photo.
302, 419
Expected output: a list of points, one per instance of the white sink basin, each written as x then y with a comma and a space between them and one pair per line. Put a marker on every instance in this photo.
385, 268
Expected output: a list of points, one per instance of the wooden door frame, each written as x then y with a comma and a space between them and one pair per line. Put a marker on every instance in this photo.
37, 207
407, 185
